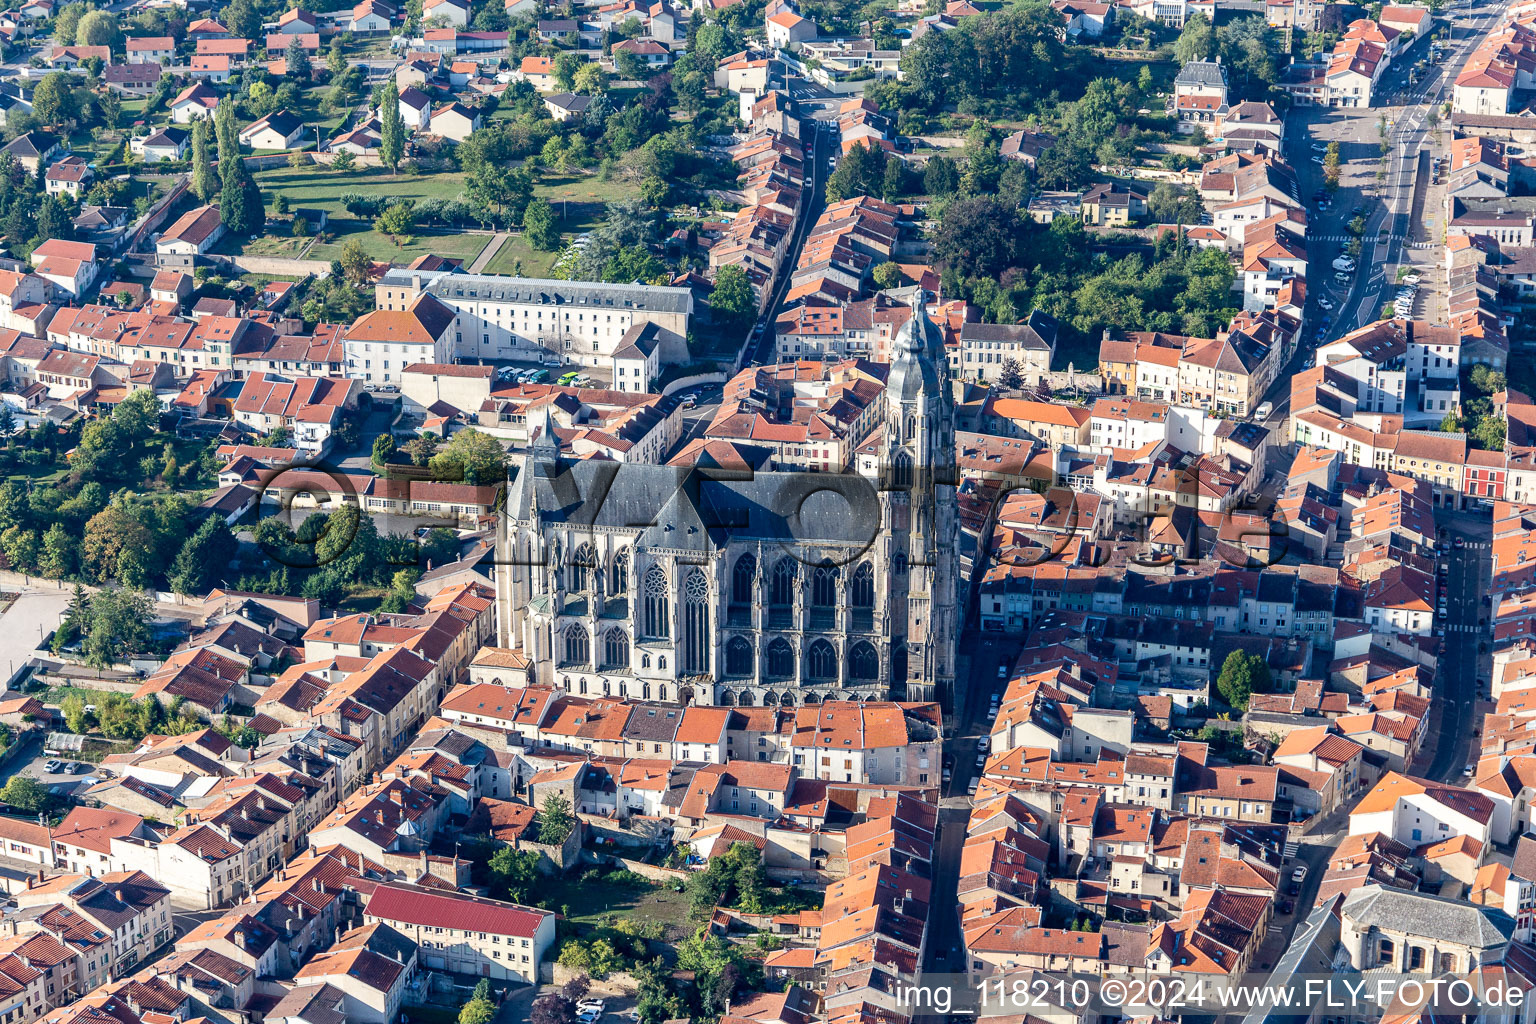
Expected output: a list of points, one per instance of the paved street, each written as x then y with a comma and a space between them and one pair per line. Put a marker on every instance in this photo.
1390, 212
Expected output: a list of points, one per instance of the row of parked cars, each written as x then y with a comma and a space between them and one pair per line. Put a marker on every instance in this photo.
57, 767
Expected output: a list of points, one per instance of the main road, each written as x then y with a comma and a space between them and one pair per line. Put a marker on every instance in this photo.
1387, 209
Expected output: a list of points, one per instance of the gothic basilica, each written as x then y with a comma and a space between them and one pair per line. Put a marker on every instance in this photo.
713, 586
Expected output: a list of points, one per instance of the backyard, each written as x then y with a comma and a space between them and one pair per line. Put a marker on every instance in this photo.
600, 905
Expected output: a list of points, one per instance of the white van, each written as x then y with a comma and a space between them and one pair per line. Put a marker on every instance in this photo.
1262, 412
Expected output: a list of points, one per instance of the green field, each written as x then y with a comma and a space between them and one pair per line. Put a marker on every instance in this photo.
322, 188
599, 905
580, 202
435, 240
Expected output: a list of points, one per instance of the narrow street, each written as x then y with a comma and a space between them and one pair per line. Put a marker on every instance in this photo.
762, 351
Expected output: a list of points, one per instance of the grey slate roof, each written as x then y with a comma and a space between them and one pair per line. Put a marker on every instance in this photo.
1204, 74
1418, 913
690, 510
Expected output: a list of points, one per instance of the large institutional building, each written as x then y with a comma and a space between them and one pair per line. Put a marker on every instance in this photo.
702, 585
508, 318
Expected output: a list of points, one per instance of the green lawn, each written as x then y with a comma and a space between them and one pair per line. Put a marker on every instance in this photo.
515, 251
580, 202
603, 904
379, 247
321, 187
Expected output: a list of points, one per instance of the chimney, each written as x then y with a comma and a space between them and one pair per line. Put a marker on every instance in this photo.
315, 882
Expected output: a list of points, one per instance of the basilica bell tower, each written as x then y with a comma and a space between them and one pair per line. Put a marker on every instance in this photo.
920, 520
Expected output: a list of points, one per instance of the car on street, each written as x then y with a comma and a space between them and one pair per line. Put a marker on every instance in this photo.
1343, 278
1469, 770
1318, 147
981, 761
1300, 874
1324, 304
984, 744
970, 788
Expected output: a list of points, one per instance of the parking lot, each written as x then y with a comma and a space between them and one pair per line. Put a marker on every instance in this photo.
54, 771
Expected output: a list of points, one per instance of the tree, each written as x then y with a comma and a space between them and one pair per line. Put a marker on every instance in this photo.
887, 275
977, 237
58, 556
1489, 433
117, 625
99, 28
477, 1011
1172, 204
335, 60
392, 127
471, 456
1010, 374
563, 69
555, 820
25, 793
202, 167
67, 25
1488, 381
355, 262
202, 557
54, 100
7, 419
296, 61
242, 19
383, 448
1242, 675
228, 137
539, 225
397, 221
1144, 80
234, 209
1196, 41
940, 177
733, 302
553, 1008
591, 79
514, 874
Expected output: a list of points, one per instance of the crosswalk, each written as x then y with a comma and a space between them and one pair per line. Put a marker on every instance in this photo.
1291, 848
1466, 627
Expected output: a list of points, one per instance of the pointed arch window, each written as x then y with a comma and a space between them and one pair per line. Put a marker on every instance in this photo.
615, 649
744, 580
578, 645
696, 637
779, 661
738, 657
821, 661
863, 662
785, 578
862, 592
618, 574
579, 574
657, 621
824, 586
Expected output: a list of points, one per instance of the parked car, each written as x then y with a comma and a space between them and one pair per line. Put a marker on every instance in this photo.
1324, 304
984, 744
79, 768
1300, 874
